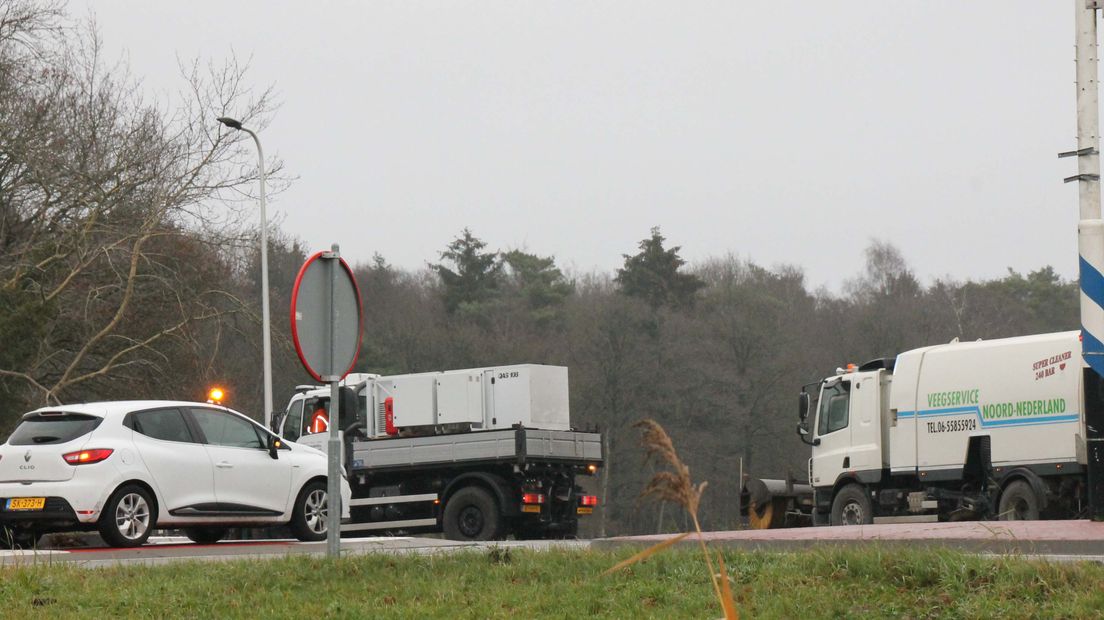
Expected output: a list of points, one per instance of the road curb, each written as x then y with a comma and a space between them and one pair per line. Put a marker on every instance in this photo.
1004, 547
1079, 537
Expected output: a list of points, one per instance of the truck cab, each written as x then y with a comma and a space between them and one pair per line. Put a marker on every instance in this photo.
844, 418
847, 426
297, 422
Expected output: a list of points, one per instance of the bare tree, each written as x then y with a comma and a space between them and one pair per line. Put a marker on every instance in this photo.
111, 229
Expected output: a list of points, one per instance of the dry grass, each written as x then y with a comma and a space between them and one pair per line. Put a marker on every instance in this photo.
675, 485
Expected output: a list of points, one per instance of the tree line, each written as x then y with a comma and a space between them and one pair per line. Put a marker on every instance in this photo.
129, 269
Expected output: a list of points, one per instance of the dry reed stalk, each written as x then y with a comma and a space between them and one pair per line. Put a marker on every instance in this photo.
677, 487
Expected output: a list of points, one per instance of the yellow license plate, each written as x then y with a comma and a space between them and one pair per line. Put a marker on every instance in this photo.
26, 503
530, 508
585, 511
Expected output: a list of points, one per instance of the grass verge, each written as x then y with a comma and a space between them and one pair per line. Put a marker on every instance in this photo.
827, 583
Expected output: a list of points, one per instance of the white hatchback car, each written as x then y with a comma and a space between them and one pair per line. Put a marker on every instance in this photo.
128, 467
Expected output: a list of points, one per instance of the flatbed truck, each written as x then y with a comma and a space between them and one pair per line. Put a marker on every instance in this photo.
479, 454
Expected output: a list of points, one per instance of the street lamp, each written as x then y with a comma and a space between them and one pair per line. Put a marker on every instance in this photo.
265, 323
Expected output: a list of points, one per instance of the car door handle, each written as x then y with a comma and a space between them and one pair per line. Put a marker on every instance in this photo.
224, 464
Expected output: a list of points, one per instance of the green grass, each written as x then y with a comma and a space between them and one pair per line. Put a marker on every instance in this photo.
878, 582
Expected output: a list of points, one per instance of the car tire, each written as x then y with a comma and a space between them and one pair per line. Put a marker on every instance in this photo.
205, 535
472, 514
128, 518
15, 538
309, 518
852, 506
1018, 502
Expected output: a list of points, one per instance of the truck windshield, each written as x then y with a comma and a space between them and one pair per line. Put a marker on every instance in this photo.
832, 415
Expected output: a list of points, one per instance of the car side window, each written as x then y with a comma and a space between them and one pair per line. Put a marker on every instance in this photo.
163, 424
224, 429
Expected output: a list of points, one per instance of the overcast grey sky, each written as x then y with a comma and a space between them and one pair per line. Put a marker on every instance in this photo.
784, 132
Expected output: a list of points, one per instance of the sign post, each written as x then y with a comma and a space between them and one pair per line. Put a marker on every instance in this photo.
1090, 242
325, 325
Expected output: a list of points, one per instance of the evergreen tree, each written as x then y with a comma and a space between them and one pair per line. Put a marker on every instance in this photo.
538, 282
474, 276
653, 275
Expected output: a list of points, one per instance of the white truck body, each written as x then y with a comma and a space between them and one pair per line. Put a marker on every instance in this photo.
1024, 392
940, 414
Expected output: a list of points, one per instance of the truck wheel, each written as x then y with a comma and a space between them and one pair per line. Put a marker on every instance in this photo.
127, 519
1018, 502
309, 518
205, 535
472, 514
852, 506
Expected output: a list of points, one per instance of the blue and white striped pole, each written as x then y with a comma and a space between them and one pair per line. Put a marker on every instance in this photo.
1090, 246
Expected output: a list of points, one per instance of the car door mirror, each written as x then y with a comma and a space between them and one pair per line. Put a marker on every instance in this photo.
274, 445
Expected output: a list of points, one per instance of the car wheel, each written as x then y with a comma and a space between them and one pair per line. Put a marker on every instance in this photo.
127, 519
309, 518
1018, 502
472, 514
14, 538
852, 506
205, 535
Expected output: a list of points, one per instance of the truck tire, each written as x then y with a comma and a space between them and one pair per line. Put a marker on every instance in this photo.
851, 506
1018, 502
472, 514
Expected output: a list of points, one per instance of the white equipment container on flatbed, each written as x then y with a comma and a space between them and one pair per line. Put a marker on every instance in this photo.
529, 395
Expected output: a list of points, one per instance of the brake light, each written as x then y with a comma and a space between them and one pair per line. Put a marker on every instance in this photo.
532, 498
87, 457
588, 500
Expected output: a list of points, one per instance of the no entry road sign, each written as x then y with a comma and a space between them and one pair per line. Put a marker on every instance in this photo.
326, 316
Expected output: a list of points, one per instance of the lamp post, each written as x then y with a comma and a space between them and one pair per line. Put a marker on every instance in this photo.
265, 322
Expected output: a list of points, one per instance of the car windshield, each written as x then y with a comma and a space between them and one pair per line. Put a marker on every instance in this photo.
51, 427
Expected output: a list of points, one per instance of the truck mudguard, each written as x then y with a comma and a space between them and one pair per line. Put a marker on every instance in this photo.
870, 476
1032, 478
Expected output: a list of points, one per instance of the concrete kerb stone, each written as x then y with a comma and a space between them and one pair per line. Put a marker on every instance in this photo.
1004, 547
1017, 537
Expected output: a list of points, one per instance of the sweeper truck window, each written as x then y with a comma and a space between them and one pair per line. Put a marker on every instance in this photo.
833, 408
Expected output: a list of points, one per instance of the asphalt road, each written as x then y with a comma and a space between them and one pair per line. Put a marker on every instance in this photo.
1054, 540
165, 550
